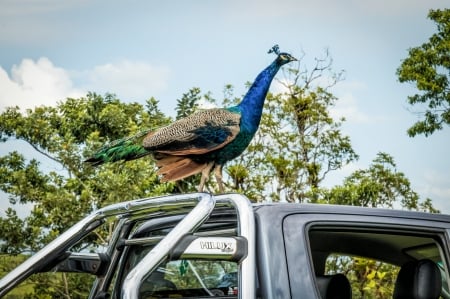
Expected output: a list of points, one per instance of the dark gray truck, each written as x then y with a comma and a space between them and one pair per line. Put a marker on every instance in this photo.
202, 246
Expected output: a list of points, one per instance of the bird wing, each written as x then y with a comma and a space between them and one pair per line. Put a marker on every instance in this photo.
198, 133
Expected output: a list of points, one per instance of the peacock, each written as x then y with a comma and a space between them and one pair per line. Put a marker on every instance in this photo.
203, 141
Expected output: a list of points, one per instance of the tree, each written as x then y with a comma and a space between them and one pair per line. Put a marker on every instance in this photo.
298, 142
428, 67
379, 186
67, 134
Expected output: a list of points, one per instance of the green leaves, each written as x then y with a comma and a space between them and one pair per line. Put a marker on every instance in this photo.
67, 190
188, 103
298, 142
427, 66
381, 185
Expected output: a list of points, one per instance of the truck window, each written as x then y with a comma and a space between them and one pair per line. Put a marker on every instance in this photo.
368, 263
369, 278
184, 278
192, 278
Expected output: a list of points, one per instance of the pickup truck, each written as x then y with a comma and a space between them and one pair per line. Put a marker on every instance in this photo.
201, 246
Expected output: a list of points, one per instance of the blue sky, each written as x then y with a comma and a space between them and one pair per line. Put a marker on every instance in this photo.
138, 49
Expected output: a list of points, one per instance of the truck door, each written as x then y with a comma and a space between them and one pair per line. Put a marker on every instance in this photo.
361, 256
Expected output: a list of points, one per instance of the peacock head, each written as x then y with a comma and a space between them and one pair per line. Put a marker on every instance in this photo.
282, 58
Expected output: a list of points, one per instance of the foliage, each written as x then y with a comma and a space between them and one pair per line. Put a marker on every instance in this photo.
298, 142
381, 185
188, 103
67, 134
428, 66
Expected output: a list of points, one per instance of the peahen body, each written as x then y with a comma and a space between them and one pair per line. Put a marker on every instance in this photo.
203, 141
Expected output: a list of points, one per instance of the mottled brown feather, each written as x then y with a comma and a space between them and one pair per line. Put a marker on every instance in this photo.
182, 132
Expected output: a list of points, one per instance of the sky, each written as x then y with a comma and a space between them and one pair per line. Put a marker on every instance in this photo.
51, 50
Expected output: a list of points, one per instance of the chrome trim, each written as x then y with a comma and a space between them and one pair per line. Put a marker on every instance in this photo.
220, 232
141, 208
131, 284
246, 224
147, 241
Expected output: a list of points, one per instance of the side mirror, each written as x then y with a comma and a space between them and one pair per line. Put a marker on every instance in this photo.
92, 263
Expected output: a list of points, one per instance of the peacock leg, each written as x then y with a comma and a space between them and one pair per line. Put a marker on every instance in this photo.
205, 176
218, 174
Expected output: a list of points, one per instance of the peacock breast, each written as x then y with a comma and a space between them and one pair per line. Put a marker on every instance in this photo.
234, 148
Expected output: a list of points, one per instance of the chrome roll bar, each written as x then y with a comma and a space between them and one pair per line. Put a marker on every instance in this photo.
61, 244
197, 207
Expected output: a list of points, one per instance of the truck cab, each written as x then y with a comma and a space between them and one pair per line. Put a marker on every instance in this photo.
201, 246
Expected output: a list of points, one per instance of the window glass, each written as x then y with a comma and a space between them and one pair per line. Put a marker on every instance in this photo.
192, 278
186, 278
375, 262
368, 278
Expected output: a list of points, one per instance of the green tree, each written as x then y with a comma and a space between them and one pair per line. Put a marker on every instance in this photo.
298, 142
188, 103
428, 67
67, 134
379, 186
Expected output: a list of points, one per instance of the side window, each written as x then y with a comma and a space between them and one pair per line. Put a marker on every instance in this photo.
192, 278
186, 278
370, 263
369, 278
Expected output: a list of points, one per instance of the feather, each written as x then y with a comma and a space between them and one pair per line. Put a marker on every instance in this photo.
180, 169
199, 133
127, 149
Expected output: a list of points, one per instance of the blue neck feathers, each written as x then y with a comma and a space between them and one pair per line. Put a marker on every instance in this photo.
252, 104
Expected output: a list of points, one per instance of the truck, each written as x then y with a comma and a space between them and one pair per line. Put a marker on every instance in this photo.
223, 246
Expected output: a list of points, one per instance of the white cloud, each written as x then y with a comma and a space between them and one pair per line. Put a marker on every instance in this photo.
347, 107
436, 185
347, 103
127, 79
35, 83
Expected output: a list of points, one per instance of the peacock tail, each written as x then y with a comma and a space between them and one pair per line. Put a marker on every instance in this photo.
126, 149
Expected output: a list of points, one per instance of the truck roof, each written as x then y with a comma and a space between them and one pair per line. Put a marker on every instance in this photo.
291, 208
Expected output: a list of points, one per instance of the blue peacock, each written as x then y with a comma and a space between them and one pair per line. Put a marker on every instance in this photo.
203, 141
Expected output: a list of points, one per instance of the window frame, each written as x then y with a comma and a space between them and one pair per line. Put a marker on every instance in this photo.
299, 257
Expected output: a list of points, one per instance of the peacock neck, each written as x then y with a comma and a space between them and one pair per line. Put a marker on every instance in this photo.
252, 104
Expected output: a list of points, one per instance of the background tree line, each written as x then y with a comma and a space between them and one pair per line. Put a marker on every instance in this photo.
298, 144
